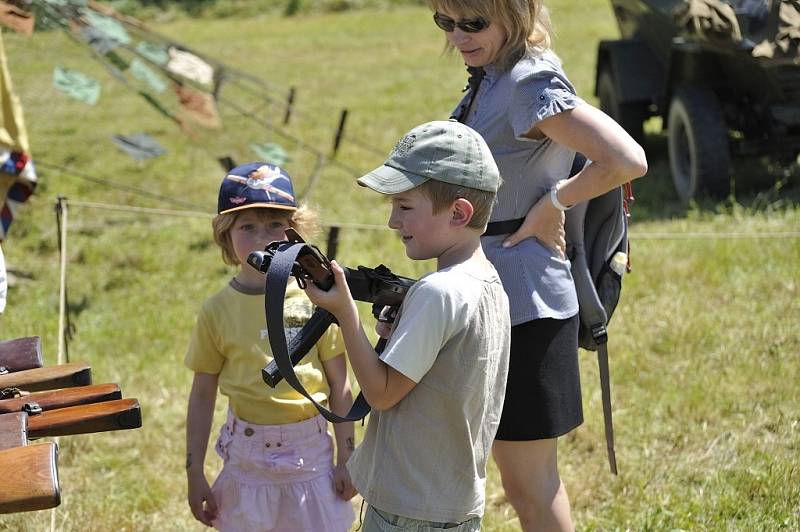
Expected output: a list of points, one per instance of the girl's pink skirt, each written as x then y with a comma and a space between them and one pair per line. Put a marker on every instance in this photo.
278, 478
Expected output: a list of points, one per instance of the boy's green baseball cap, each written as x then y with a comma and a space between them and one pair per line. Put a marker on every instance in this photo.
445, 150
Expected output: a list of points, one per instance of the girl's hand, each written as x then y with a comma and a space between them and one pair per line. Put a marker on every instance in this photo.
201, 500
342, 484
545, 223
337, 300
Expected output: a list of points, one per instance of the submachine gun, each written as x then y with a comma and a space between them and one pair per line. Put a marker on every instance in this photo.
307, 263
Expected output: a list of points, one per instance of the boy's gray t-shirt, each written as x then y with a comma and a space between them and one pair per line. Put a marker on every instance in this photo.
425, 458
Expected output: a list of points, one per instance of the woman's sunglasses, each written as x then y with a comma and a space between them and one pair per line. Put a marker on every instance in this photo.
469, 26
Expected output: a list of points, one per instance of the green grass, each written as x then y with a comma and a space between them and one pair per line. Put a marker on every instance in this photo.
703, 346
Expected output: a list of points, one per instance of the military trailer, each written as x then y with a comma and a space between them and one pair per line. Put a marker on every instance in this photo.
723, 76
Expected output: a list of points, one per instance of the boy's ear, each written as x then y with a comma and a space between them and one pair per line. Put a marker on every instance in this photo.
461, 212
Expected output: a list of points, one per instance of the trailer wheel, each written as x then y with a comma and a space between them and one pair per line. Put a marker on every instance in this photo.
697, 140
630, 116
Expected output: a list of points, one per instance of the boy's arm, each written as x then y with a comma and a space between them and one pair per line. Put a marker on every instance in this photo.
341, 399
382, 386
199, 417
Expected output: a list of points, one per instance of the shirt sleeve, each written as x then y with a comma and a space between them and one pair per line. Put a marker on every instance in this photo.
537, 96
428, 318
331, 344
203, 355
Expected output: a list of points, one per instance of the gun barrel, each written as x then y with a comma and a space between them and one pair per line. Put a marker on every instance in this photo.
259, 260
119, 414
49, 377
50, 400
30, 478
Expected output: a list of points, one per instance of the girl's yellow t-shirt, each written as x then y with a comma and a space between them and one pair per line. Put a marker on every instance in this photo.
230, 340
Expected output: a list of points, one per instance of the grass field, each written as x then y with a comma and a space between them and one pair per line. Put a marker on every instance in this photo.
704, 346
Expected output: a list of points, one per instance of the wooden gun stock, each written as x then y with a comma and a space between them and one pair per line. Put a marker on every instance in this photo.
49, 377
13, 430
50, 400
119, 414
20, 354
30, 478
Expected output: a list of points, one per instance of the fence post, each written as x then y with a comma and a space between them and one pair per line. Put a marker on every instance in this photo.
339, 132
333, 242
289, 104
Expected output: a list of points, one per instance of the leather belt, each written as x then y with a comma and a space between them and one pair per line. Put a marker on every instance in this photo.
504, 227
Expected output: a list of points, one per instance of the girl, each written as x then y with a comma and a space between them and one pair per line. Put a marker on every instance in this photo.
278, 472
524, 105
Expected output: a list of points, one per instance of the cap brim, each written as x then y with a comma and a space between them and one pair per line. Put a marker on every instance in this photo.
260, 205
390, 180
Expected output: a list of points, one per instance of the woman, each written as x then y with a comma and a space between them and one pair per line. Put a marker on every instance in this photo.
534, 123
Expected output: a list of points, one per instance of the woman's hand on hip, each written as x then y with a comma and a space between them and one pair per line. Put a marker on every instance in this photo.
545, 223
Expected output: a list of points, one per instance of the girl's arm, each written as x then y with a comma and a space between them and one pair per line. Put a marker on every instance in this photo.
199, 417
616, 159
341, 399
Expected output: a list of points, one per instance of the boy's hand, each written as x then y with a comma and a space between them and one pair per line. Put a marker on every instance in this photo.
544, 222
337, 300
342, 484
385, 321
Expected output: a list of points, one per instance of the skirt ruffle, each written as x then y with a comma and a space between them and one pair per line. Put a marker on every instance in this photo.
278, 479
310, 506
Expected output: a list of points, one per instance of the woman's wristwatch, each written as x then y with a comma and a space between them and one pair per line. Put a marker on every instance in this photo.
554, 197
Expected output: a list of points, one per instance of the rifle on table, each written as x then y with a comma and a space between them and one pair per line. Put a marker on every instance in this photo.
20, 353
49, 377
19, 401
13, 430
30, 478
118, 414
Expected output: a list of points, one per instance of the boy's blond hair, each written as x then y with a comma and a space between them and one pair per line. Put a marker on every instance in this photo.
442, 195
303, 220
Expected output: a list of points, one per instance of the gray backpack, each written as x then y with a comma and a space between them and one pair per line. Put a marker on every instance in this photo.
597, 247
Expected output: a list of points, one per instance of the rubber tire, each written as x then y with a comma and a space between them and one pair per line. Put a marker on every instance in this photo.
630, 116
697, 141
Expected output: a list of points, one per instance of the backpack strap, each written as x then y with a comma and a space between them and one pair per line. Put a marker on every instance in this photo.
277, 276
605, 394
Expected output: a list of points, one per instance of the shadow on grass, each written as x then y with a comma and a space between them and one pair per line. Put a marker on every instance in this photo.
759, 184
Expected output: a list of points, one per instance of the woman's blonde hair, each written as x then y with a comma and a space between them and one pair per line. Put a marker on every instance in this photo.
303, 220
526, 22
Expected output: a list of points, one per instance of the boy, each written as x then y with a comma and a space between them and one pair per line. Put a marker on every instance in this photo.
437, 389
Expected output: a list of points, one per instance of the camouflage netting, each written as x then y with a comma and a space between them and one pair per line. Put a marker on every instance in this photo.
771, 27
786, 40
712, 20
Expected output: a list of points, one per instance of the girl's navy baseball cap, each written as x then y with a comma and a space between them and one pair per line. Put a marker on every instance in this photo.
256, 185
